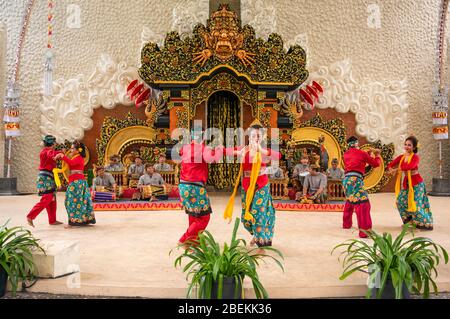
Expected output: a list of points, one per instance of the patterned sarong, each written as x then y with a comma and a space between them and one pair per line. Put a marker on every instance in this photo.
422, 218
263, 213
354, 189
79, 204
195, 199
45, 183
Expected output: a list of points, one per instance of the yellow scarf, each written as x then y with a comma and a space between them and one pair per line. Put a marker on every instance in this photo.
411, 203
256, 166
63, 170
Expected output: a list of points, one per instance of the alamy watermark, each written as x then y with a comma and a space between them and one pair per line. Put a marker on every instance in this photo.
222, 145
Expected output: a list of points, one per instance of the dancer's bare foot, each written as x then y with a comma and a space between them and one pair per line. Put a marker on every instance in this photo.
30, 222
56, 223
67, 227
253, 242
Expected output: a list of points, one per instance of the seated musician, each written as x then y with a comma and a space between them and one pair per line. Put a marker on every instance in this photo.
275, 171
314, 187
335, 172
151, 178
301, 170
135, 171
104, 185
114, 164
162, 166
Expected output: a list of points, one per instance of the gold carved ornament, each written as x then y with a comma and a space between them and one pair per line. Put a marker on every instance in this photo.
224, 39
223, 44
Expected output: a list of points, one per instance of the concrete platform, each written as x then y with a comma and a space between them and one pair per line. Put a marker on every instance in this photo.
127, 253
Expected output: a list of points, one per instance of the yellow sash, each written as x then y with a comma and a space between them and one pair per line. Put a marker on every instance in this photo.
411, 202
63, 170
256, 166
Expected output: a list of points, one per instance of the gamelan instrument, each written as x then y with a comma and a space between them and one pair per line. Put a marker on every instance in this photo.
148, 191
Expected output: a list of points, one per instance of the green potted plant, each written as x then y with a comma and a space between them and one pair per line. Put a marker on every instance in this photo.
219, 273
397, 266
16, 260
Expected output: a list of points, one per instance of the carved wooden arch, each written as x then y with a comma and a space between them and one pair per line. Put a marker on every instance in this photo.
223, 82
126, 135
312, 134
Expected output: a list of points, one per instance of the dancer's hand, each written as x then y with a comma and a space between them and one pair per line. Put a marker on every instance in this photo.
377, 152
242, 152
392, 171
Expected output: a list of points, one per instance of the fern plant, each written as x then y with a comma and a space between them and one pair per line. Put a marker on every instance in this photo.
208, 265
16, 247
411, 263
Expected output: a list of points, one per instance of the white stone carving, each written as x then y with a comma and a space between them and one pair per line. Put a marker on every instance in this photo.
381, 108
186, 14
67, 113
261, 15
148, 35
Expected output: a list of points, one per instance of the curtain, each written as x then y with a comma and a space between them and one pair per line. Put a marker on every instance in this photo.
223, 112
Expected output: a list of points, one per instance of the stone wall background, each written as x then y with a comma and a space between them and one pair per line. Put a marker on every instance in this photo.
402, 48
2, 91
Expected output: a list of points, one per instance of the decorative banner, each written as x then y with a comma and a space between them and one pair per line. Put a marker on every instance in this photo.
11, 116
48, 66
440, 133
439, 118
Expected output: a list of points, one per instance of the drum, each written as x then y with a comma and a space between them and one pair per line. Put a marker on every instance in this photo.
120, 190
149, 191
104, 197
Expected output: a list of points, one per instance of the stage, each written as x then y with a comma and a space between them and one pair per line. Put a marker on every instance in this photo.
127, 252
174, 204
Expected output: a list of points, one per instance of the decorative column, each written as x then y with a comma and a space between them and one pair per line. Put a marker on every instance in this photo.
8, 185
441, 186
3, 72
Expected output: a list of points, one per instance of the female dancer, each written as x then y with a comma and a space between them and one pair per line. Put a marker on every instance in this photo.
193, 176
412, 201
258, 213
45, 183
355, 161
78, 197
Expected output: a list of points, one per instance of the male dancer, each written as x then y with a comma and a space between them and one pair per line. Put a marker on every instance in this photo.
355, 161
192, 187
46, 183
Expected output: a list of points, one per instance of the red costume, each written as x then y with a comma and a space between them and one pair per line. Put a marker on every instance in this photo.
46, 186
193, 176
404, 166
75, 164
355, 161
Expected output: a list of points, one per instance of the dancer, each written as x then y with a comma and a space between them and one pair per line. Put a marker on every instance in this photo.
412, 201
355, 161
78, 197
193, 176
45, 183
258, 213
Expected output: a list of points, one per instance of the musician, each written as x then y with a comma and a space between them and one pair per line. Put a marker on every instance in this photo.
104, 185
151, 178
114, 164
335, 172
315, 185
137, 169
104, 179
162, 166
301, 169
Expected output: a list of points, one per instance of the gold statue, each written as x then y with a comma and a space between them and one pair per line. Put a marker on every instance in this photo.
224, 39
